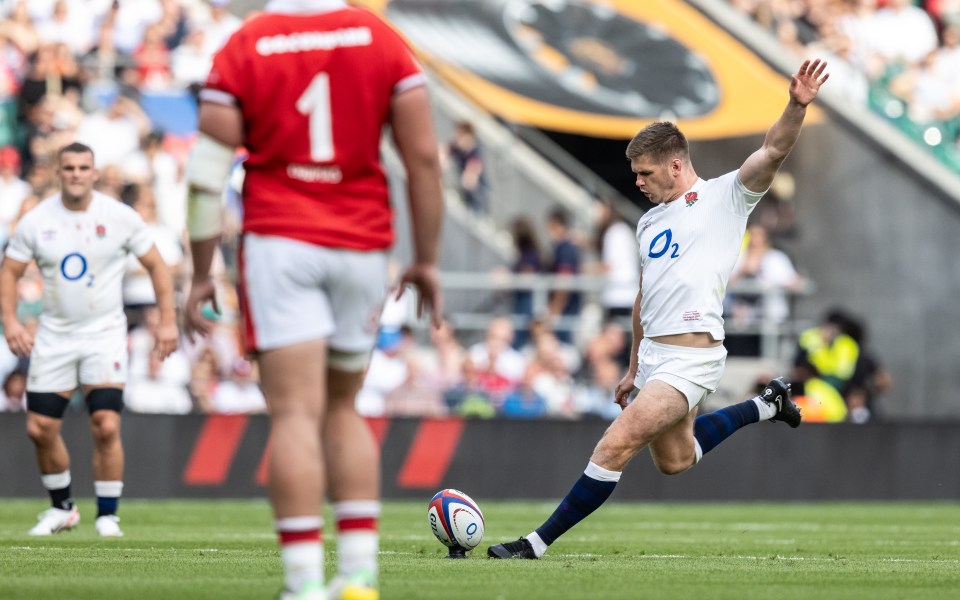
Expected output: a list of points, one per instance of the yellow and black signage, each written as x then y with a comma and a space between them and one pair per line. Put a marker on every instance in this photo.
602, 69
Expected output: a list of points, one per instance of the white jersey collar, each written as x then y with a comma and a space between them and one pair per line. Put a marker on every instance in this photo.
304, 6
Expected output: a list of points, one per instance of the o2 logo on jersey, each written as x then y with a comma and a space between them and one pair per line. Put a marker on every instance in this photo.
74, 266
663, 243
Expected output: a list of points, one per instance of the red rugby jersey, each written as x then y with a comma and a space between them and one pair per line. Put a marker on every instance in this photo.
315, 92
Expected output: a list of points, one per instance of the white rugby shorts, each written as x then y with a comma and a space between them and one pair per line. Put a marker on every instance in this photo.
695, 372
293, 292
59, 362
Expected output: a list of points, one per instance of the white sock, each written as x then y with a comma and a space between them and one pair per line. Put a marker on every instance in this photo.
301, 550
55, 481
539, 548
357, 539
301, 564
767, 410
698, 451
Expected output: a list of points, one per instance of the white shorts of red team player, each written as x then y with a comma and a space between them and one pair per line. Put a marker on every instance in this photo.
295, 292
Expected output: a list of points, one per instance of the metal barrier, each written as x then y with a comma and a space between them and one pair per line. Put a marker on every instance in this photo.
486, 295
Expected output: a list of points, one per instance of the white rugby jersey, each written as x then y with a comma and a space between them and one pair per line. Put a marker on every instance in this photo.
687, 250
82, 256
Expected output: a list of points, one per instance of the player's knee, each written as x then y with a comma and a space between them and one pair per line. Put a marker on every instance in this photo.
42, 429
105, 427
673, 465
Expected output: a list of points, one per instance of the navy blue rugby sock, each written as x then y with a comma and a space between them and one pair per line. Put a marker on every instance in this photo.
587, 494
712, 428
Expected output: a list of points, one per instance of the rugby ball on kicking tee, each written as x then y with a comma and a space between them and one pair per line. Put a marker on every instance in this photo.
455, 519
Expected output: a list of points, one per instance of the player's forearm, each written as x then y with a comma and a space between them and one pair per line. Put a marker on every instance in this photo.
784, 133
163, 289
637, 337
202, 252
8, 296
426, 214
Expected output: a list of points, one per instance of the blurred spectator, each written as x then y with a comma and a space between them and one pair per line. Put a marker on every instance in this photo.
240, 392
71, 24
772, 271
51, 70
152, 60
104, 62
529, 261
524, 402
566, 261
13, 191
449, 355
204, 379
825, 362
161, 387
569, 354
387, 371
138, 292
550, 377
189, 62
595, 396
19, 28
420, 394
219, 27
907, 32
870, 379
495, 354
616, 245
152, 165
611, 345
114, 132
14, 392
468, 167
154, 385
472, 396
129, 19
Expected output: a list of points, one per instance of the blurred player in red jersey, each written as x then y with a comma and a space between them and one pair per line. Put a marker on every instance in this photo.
307, 87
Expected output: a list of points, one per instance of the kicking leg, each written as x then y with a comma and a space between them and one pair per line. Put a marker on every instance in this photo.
656, 408
773, 404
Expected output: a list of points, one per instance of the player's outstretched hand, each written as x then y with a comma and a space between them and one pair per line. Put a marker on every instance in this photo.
427, 281
805, 84
202, 291
19, 339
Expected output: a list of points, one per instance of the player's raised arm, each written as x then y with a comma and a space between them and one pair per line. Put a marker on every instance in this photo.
220, 132
760, 167
412, 126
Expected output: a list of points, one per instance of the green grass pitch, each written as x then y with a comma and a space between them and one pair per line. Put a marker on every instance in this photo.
196, 550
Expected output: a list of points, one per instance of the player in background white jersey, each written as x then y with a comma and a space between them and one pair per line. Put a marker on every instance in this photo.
688, 245
80, 240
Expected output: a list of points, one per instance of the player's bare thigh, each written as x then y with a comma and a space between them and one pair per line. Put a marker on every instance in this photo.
294, 378
673, 451
657, 408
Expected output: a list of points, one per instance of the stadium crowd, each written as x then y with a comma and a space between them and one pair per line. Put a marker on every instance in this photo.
900, 58
113, 73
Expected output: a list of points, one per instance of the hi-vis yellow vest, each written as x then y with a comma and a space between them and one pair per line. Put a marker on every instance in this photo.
835, 362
